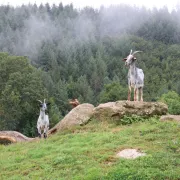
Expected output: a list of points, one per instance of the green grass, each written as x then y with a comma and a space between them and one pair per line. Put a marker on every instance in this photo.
89, 152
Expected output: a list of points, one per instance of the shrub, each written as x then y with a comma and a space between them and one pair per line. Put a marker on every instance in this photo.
172, 99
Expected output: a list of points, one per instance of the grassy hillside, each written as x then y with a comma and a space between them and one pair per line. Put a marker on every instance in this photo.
89, 152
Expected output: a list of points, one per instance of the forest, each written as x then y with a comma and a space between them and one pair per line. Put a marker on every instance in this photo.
59, 52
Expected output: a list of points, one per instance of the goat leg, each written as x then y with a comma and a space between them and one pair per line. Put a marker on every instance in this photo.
45, 135
129, 93
137, 94
39, 132
135, 91
141, 92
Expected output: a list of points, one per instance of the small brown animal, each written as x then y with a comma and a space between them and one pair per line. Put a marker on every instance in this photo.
74, 102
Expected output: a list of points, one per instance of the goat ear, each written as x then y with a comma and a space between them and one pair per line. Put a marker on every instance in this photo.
124, 59
48, 103
134, 58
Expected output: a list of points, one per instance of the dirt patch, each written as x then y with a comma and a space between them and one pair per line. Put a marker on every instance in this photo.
114, 130
130, 153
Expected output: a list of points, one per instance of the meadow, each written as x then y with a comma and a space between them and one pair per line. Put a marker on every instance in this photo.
89, 153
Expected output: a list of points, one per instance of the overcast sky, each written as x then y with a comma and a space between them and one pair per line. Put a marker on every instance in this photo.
97, 3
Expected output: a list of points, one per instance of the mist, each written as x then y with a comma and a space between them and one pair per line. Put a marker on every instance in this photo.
82, 26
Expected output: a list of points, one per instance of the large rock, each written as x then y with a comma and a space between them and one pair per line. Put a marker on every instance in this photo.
79, 115
121, 108
13, 137
170, 118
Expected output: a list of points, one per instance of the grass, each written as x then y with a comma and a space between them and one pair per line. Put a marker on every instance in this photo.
89, 152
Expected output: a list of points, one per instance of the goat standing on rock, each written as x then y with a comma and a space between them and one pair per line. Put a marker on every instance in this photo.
135, 77
43, 120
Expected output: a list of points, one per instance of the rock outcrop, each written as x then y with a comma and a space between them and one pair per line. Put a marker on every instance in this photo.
79, 115
13, 137
170, 118
121, 108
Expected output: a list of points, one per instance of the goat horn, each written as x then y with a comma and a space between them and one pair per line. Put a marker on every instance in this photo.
131, 51
44, 100
39, 101
135, 52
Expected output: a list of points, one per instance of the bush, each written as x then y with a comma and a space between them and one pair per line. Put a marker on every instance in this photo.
131, 119
172, 99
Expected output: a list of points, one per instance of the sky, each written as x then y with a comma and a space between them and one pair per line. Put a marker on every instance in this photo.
171, 4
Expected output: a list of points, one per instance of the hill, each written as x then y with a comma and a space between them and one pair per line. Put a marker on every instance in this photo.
89, 152
59, 53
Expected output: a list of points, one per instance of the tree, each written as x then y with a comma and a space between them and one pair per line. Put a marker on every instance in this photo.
21, 87
113, 92
80, 90
172, 99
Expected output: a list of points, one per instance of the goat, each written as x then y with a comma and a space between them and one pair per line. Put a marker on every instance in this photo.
135, 77
43, 120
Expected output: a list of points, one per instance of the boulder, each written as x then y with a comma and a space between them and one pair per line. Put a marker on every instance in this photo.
130, 154
170, 118
13, 137
121, 108
79, 115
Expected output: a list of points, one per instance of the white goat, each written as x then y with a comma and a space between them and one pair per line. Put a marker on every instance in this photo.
135, 77
43, 120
